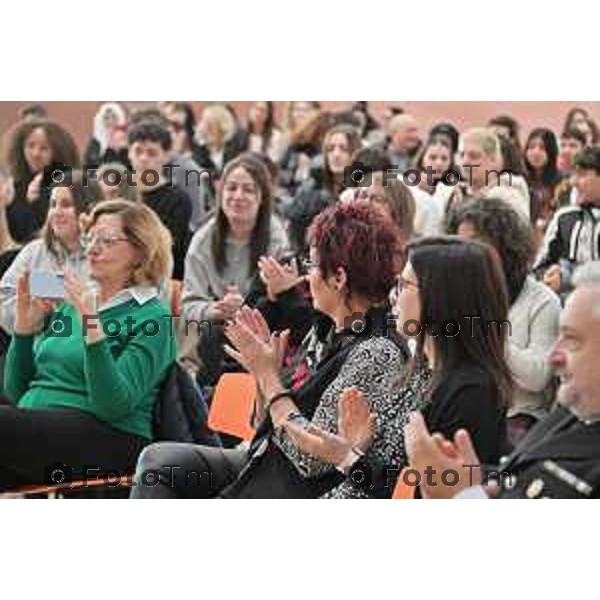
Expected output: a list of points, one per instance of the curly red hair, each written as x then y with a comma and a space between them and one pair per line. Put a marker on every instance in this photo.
362, 239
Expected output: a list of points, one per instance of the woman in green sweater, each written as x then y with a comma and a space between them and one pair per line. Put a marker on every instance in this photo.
84, 375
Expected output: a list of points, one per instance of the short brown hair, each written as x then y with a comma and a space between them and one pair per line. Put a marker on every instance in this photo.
145, 231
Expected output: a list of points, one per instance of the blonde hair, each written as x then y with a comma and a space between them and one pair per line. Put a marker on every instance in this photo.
146, 232
223, 117
487, 140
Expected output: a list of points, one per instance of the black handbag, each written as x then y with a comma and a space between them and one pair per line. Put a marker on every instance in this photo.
180, 412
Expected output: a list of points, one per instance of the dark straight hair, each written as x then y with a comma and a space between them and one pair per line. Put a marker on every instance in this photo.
269, 125
259, 242
459, 279
352, 139
550, 171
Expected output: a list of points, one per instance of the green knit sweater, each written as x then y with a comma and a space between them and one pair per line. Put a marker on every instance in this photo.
116, 379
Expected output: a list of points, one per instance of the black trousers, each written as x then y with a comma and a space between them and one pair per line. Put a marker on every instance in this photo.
44, 445
173, 470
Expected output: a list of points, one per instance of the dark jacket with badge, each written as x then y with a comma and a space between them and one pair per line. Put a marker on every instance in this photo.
559, 458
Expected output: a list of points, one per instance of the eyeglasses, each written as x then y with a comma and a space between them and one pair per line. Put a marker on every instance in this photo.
402, 284
101, 242
364, 194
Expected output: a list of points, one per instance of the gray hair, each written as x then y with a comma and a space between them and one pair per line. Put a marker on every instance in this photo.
587, 274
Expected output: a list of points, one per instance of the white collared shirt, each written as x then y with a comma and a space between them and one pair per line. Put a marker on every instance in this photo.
140, 293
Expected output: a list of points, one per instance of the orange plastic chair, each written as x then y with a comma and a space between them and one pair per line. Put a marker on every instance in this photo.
402, 491
232, 405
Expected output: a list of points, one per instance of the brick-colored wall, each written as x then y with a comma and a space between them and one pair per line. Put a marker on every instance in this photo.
77, 117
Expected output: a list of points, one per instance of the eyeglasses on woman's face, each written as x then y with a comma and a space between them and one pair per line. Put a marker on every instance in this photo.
101, 241
369, 195
401, 285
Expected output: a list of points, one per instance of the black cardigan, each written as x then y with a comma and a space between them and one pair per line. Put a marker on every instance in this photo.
467, 398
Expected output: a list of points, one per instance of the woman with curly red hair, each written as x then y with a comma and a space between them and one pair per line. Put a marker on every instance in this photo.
354, 250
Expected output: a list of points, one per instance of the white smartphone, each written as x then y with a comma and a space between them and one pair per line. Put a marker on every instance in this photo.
47, 284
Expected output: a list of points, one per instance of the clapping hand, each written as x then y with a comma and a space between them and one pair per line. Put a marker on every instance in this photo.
227, 307
436, 452
278, 278
257, 349
356, 427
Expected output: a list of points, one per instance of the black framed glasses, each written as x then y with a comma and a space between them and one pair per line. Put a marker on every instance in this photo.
400, 285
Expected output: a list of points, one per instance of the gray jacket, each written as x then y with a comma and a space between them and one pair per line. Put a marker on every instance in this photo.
203, 284
534, 322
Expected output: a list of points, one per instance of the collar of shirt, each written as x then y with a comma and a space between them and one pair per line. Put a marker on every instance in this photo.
140, 293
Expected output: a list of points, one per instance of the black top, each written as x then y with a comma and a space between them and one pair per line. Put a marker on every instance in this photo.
467, 398
26, 218
174, 209
93, 157
234, 146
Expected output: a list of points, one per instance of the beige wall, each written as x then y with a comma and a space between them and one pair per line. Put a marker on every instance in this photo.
77, 117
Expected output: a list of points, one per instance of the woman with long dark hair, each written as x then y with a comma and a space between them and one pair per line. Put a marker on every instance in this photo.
457, 293
435, 162
264, 137
339, 144
541, 154
60, 245
222, 259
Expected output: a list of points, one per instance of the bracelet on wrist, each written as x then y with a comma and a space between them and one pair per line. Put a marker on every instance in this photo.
278, 396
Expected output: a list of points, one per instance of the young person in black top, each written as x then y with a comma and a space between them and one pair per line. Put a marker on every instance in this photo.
149, 145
